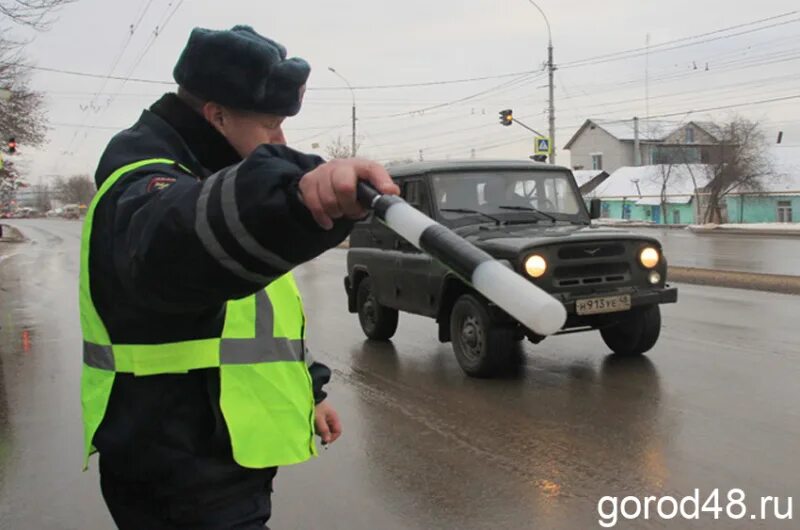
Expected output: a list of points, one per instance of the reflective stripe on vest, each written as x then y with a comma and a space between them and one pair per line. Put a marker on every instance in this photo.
265, 388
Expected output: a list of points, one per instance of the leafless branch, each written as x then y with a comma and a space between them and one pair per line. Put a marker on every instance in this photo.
36, 14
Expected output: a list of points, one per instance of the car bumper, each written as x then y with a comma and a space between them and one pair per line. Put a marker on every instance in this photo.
639, 297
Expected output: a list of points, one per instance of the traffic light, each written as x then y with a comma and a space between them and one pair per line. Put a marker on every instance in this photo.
506, 117
12, 146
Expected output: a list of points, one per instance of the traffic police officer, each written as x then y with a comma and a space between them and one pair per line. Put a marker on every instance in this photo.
197, 383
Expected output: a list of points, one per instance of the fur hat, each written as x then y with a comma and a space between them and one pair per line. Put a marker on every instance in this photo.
243, 70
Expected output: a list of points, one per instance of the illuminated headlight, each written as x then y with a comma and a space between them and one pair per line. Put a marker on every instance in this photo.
655, 277
535, 266
649, 257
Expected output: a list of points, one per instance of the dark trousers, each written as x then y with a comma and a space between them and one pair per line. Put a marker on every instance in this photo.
135, 506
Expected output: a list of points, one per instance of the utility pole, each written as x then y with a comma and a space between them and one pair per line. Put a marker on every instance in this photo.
353, 94
353, 151
552, 114
637, 154
551, 70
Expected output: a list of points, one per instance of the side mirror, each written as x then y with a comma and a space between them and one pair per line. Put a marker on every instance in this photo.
594, 208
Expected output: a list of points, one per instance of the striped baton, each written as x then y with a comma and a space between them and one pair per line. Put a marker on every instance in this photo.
533, 307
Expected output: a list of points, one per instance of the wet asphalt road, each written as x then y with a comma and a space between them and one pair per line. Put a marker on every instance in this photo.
714, 405
770, 254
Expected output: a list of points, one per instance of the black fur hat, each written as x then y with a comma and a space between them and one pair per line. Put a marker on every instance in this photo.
243, 70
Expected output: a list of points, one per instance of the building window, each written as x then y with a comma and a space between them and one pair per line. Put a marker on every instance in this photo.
597, 161
676, 217
784, 211
626, 211
689, 135
605, 210
675, 154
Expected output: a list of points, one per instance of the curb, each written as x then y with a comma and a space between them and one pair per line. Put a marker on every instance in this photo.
773, 283
11, 234
746, 232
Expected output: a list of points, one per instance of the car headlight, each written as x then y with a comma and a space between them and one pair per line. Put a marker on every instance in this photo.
649, 257
535, 266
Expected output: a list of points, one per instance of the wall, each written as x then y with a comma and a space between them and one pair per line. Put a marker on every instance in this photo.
678, 136
616, 154
645, 213
759, 209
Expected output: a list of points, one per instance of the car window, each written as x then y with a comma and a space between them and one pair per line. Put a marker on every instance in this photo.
501, 191
415, 193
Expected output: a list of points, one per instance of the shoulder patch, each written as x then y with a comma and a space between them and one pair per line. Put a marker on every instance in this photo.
159, 183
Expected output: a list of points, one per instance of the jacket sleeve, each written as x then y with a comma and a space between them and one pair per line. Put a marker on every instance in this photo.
183, 244
320, 376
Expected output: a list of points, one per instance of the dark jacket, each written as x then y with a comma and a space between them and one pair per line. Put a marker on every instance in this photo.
162, 268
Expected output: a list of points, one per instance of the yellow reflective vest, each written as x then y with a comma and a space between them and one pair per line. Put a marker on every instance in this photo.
266, 396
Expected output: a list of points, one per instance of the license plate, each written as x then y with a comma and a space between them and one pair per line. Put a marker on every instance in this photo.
605, 304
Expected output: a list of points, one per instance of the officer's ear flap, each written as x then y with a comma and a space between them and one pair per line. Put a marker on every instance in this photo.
215, 115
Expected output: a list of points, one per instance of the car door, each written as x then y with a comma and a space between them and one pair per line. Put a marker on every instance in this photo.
415, 267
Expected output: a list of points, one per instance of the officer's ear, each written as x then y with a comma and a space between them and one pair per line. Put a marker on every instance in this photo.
214, 114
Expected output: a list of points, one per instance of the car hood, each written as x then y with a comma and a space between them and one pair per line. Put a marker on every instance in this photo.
510, 240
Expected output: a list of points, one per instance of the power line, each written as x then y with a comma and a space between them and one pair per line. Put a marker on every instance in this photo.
637, 52
508, 84
133, 28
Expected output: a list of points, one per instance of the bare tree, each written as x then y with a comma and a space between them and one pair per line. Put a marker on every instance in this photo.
22, 114
32, 13
742, 164
77, 189
340, 148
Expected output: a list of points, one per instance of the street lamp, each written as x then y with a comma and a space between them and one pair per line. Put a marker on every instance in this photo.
550, 71
353, 94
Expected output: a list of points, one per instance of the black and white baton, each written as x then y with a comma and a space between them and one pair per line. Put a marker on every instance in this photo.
533, 307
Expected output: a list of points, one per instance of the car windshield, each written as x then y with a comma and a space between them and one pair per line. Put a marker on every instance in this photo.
534, 194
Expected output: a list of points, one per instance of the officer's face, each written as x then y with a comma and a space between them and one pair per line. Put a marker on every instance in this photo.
245, 131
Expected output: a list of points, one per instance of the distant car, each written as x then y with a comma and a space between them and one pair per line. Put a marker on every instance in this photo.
71, 211
531, 217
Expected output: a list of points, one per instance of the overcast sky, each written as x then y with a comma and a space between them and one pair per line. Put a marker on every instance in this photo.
415, 41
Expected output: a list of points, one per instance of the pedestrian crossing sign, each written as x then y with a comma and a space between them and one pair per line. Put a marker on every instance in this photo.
541, 145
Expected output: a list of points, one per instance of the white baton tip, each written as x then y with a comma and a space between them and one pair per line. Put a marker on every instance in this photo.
533, 307
407, 222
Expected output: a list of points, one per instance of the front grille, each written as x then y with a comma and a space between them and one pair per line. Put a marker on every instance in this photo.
589, 250
593, 274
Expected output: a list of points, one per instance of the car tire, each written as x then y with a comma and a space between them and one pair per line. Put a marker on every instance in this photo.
377, 321
482, 347
635, 334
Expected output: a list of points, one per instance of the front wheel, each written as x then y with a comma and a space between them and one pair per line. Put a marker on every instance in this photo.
377, 321
636, 333
482, 346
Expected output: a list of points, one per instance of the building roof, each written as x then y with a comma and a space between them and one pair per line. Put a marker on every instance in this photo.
623, 182
671, 199
649, 130
584, 176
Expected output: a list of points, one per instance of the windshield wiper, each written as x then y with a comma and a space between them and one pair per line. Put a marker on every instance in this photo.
497, 221
528, 209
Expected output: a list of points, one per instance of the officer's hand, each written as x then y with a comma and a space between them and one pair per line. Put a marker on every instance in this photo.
329, 191
327, 423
